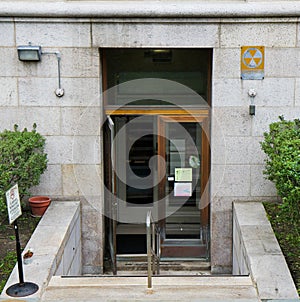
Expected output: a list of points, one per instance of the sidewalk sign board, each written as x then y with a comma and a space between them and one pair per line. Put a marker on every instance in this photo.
21, 289
13, 204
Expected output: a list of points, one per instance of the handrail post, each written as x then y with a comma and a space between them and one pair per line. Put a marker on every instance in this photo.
149, 256
153, 247
158, 249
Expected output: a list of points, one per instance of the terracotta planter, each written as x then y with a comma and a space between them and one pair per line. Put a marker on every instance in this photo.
39, 205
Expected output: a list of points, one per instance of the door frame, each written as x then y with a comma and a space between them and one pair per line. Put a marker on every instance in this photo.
173, 247
197, 112
205, 154
163, 118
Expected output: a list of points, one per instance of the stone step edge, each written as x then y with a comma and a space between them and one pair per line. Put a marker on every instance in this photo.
117, 281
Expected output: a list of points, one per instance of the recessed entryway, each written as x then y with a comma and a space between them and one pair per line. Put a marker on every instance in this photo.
159, 131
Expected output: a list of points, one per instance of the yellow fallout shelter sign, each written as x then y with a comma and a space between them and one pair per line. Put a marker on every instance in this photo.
252, 62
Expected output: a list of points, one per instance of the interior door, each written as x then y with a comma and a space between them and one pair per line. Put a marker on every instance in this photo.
183, 144
135, 143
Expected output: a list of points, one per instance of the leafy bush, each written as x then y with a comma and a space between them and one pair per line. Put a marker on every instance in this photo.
282, 146
22, 161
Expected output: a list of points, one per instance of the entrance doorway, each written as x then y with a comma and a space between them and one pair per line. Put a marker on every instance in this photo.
157, 153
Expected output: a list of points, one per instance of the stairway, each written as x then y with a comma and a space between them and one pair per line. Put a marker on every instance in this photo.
165, 288
137, 265
178, 281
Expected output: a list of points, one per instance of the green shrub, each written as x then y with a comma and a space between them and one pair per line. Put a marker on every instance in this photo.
22, 161
282, 146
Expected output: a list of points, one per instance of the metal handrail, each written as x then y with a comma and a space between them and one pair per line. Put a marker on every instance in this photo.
153, 247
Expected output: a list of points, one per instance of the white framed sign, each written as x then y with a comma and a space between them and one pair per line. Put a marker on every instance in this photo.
183, 189
13, 204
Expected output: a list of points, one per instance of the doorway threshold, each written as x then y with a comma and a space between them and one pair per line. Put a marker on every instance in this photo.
184, 259
132, 257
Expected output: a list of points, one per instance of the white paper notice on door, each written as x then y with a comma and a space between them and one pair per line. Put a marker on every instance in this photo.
182, 189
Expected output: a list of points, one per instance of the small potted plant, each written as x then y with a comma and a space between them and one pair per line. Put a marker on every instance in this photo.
27, 256
39, 205
22, 160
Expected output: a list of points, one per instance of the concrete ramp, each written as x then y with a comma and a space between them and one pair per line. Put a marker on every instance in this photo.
165, 288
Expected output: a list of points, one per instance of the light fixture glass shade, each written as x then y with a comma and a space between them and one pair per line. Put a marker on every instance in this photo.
29, 53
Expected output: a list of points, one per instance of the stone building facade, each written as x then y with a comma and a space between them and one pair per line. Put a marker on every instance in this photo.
81, 30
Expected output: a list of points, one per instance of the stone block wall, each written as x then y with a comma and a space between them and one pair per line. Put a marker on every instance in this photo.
72, 124
237, 159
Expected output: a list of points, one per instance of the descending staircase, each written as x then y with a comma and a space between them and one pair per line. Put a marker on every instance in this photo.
137, 265
178, 281
165, 288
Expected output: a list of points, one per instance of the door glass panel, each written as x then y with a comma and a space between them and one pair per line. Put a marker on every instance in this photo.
183, 153
136, 150
188, 67
139, 156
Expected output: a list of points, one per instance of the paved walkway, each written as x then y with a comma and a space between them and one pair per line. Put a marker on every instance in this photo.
165, 288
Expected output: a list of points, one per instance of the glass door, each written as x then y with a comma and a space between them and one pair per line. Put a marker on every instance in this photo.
184, 147
135, 144
162, 165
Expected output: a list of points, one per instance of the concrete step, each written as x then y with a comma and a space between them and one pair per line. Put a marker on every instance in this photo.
165, 288
141, 265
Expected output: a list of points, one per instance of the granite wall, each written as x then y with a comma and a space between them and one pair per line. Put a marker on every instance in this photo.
72, 124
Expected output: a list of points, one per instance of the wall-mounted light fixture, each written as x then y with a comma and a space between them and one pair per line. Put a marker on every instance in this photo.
252, 94
29, 53
34, 53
